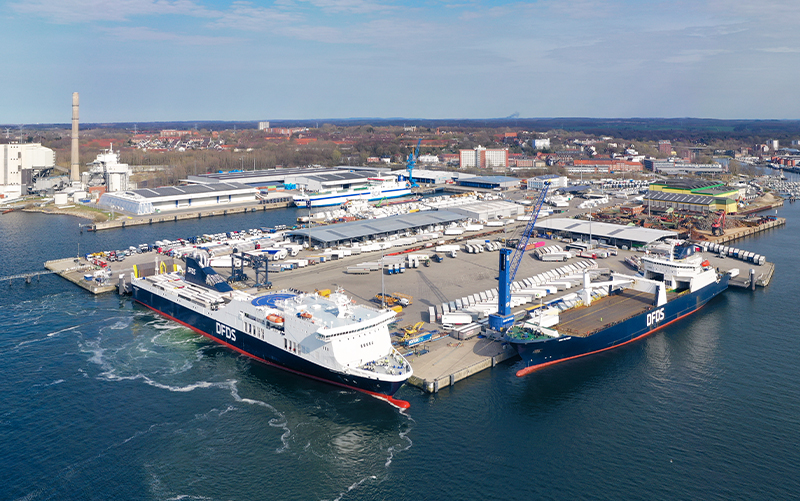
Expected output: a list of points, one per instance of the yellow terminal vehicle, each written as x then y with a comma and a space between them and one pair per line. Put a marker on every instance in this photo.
412, 329
392, 299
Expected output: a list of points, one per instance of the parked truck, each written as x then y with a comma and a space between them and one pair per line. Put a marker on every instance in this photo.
555, 256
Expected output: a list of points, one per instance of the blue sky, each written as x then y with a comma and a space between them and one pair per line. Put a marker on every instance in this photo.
151, 60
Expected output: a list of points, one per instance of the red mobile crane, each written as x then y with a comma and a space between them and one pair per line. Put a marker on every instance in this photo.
718, 226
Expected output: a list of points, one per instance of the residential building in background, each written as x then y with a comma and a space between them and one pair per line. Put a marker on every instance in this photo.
428, 159
484, 158
665, 147
677, 168
263, 125
541, 144
604, 166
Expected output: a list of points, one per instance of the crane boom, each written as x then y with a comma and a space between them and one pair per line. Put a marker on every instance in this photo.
508, 269
516, 258
412, 162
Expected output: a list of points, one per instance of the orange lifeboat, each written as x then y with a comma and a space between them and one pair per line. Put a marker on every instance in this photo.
705, 263
275, 319
306, 314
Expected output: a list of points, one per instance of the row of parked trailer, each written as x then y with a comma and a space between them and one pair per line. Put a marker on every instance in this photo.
552, 253
477, 246
725, 251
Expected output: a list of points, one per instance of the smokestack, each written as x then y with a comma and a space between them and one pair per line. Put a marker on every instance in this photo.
75, 171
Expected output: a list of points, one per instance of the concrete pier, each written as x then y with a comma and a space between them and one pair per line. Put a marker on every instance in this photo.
184, 215
73, 269
450, 360
737, 233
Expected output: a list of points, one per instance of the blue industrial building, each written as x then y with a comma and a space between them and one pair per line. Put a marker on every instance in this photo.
490, 182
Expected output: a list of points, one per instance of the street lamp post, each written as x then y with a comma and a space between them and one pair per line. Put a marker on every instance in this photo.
383, 287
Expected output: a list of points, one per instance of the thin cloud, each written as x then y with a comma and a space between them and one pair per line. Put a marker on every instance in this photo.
491, 12
145, 34
781, 50
693, 56
351, 6
248, 17
84, 11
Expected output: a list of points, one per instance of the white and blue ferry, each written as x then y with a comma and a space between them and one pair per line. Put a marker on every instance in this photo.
629, 308
330, 339
377, 189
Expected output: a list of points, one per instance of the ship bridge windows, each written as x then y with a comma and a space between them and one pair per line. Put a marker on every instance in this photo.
348, 332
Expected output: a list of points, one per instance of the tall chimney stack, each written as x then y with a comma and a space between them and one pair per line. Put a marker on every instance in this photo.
75, 171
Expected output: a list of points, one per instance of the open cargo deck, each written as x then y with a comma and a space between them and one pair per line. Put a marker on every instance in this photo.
609, 310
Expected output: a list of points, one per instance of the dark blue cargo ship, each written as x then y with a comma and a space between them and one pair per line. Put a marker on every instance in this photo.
630, 308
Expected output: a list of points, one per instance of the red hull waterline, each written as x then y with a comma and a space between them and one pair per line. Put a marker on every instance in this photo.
534, 368
400, 404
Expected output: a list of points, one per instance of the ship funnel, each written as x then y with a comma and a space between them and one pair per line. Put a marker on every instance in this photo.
205, 276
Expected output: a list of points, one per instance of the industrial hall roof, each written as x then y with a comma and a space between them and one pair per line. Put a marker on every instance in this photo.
687, 184
355, 230
679, 198
605, 230
337, 176
490, 179
192, 189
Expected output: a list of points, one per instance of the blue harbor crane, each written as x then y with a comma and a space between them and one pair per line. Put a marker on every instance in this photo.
508, 269
412, 162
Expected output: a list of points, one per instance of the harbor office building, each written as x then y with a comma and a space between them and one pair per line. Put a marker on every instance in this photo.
692, 195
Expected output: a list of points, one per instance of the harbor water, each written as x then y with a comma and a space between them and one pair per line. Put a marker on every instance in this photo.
102, 399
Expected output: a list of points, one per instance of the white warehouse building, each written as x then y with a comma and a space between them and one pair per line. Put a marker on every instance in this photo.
170, 198
489, 210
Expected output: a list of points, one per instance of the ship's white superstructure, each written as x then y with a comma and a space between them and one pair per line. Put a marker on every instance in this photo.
330, 338
377, 189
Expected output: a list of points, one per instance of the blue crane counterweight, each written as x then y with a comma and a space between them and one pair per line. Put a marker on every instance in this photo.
508, 269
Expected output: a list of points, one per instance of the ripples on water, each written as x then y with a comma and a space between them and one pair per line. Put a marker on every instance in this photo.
104, 400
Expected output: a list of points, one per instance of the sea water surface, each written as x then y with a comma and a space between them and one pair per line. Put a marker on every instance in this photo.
101, 399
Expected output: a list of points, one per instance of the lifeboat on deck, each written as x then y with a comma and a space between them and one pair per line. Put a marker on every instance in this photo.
275, 319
